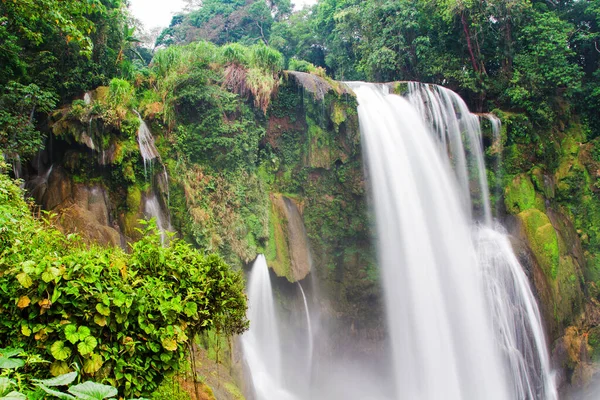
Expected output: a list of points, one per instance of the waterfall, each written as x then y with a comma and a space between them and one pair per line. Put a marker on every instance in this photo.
153, 209
308, 331
146, 143
462, 318
261, 343
516, 316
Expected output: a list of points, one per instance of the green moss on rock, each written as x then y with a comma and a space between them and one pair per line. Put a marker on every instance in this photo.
519, 195
278, 254
543, 240
594, 342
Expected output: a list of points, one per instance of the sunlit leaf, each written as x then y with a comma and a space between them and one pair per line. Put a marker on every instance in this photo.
58, 368
169, 344
26, 330
83, 332
24, 302
103, 309
87, 346
99, 319
71, 333
25, 280
59, 351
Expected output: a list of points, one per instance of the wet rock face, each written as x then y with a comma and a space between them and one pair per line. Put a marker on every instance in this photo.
82, 209
293, 259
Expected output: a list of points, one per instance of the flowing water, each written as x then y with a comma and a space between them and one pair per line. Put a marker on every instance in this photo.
309, 331
146, 143
462, 319
261, 343
153, 209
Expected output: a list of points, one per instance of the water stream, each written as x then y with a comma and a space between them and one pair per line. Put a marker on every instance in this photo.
463, 322
261, 343
309, 331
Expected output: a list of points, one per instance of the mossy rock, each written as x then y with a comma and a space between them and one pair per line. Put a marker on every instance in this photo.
542, 182
594, 342
543, 240
278, 254
130, 220
568, 290
520, 195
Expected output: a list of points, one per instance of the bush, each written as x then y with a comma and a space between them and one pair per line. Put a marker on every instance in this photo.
124, 319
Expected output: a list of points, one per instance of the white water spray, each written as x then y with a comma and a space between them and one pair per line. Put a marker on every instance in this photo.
308, 331
515, 313
146, 143
153, 209
261, 344
442, 339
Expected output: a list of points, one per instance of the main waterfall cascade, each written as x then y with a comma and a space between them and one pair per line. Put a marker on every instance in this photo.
442, 264
463, 323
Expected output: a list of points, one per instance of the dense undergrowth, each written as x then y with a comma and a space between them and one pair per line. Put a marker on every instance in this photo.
126, 319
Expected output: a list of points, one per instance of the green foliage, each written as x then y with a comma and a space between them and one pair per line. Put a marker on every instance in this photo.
18, 104
126, 318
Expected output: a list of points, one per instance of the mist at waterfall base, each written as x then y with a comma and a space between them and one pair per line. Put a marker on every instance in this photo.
462, 320
279, 354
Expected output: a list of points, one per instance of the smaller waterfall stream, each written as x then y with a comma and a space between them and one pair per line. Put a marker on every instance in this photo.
153, 209
261, 343
146, 143
308, 330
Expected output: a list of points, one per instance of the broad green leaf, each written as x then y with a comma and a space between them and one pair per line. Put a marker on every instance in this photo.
93, 391
166, 357
28, 266
83, 332
56, 393
155, 347
7, 353
11, 363
14, 396
58, 368
26, 330
190, 309
50, 274
103, 309
169, 344
93, 364
25, 280
87, 346
59, 351
99, 319
6, 384
71, 333
62, 380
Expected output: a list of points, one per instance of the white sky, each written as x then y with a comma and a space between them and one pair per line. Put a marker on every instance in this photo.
155, 13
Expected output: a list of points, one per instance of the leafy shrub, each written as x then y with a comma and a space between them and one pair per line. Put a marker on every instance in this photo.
125, 319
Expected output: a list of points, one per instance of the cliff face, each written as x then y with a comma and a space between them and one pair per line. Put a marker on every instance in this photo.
550, 203
289, 183
298, 196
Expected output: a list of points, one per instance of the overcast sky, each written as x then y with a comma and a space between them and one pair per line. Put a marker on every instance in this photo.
154, 13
